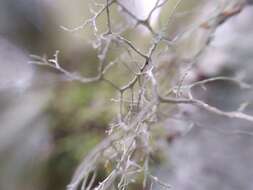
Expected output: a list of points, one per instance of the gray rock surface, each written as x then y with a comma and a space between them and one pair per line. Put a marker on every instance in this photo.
217, 153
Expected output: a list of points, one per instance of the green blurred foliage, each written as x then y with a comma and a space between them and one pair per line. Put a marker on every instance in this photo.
79, 117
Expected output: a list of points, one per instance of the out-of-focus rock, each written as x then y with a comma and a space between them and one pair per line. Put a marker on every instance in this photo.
216, 153
15, 71
24, 136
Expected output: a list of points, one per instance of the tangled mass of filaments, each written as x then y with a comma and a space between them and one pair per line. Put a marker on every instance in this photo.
155, 87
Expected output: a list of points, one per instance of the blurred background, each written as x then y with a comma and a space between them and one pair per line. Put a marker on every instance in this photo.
48, 123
